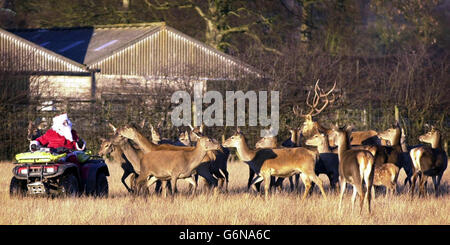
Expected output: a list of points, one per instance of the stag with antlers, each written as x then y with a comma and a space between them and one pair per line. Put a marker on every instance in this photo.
318, 103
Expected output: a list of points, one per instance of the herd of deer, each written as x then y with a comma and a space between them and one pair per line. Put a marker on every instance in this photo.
356, 158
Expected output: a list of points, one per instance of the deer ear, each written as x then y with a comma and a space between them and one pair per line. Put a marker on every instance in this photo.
196, 135
112, 127
142, 124
202, 128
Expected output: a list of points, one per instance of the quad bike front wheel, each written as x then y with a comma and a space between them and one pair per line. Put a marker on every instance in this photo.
17, 188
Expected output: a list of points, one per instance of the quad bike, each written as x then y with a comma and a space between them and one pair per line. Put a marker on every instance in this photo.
46, 172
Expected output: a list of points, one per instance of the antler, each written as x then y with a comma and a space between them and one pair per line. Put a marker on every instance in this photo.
319, 95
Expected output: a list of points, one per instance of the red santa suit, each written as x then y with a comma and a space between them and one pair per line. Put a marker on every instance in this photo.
52, 139
60, 135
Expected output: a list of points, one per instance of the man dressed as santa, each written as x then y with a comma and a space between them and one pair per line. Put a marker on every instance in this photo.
60, 135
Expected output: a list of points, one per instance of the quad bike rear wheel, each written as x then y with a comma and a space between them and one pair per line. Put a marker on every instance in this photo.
101, 189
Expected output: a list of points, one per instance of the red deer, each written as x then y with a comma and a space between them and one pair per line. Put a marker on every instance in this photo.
328, 161
282, 162
394, 136
147, 147
385, 175
270, 142
218, 165
428, 161
117, 150
170, 165
355, 167
311, 127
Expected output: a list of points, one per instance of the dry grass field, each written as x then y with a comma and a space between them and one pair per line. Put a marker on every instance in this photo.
237, 207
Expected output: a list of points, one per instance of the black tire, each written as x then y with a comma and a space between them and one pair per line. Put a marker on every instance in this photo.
17, 188
101, 188
69, 185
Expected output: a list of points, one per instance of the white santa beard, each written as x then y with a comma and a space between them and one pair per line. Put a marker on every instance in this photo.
64, 131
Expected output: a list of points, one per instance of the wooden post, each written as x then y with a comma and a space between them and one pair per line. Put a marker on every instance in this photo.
397, 114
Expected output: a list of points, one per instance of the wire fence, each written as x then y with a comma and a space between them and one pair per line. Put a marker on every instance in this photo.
91, 119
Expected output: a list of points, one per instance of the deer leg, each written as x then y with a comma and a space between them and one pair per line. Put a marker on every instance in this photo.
436, 182
278, 184
297, 181
251, 176
291, 182
266, 178
255, 181
166, 188
192, 181
413, 185
151, 181
319, 183
307, 181
225, 174
124, 177
133, 182
422, 184
173, 183
355, 192
140, 182
158, 188
343, 185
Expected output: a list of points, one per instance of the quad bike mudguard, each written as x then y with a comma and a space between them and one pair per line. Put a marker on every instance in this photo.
88, 174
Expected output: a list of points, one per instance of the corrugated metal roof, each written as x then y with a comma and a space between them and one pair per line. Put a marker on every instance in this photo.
22, 55
148, 49
86, 44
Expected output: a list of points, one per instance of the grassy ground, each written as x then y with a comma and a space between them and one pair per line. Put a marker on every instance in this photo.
237, 207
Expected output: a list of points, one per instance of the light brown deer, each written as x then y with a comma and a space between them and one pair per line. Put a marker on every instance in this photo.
147, 146
270, 142
385, 175
283, 162
428, 161
328, 161
356, 167
173, 165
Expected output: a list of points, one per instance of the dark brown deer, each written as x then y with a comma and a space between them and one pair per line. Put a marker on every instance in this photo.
428, 161
35, 130
117, 150
356, 167
397, 152
282, 162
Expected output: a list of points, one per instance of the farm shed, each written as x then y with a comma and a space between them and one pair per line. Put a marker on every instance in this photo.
87, 63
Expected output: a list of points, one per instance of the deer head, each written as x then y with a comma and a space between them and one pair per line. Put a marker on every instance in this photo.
432, 137
318, 103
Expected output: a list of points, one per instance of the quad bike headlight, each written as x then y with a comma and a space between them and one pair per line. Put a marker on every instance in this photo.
51, 169
23, 171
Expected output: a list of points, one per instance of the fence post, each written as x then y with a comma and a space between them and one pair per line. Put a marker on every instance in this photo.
397, 114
